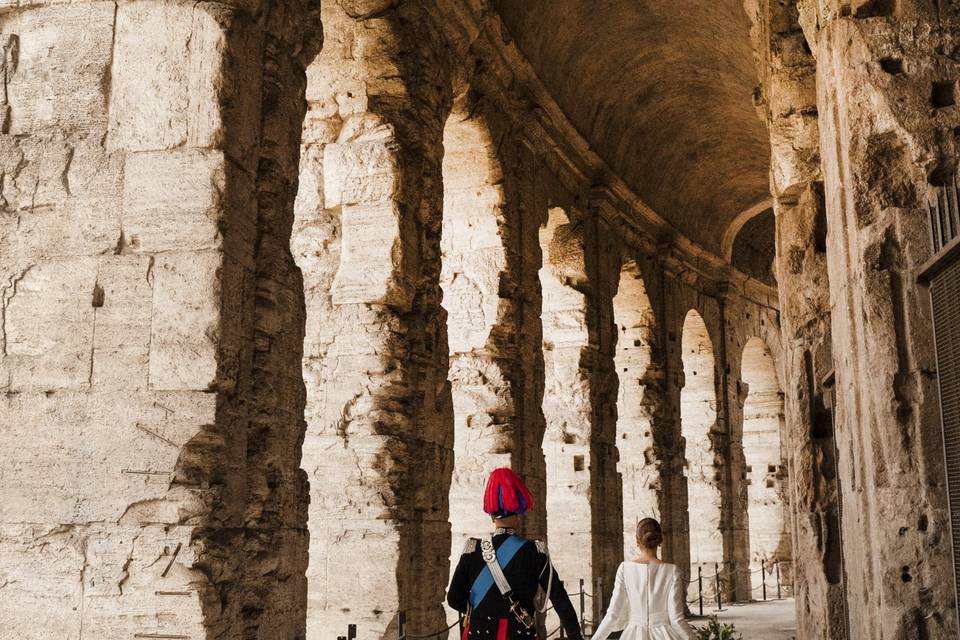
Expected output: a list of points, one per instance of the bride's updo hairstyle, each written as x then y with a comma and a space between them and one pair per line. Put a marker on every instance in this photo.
649, 533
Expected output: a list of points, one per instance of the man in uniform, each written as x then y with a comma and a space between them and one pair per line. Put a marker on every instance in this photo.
500, 579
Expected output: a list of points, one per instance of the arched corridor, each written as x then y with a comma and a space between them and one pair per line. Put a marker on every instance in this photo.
280, 285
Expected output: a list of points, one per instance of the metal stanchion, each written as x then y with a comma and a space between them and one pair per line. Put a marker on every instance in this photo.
352, 632
402, 625
583, 602
716, 569
597, 602
700, 587
779, 596
763, 575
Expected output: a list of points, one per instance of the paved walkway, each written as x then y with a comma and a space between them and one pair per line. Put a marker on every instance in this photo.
770, 620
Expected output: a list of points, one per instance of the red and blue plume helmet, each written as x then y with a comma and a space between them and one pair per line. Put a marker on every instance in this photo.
506, 495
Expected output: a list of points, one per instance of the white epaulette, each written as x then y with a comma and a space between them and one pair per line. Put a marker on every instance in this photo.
541, 546
471, 546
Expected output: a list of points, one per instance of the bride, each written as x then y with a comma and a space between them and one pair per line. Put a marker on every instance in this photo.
648, 596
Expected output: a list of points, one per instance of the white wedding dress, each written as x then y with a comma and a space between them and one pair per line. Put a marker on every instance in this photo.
647, 604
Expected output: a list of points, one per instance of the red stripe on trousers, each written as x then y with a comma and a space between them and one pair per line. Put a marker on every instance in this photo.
502, 632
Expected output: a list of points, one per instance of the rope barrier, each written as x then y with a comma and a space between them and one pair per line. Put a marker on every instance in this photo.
410, 636
720, 582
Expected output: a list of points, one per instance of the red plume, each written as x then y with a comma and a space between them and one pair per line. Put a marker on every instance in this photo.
506, 494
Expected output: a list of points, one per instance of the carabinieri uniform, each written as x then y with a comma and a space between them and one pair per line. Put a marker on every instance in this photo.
528, 571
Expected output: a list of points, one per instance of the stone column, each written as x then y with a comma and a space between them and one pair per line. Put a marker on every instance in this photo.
526, 188
151, 321
789, 105
378, 448
885, 95
662, 400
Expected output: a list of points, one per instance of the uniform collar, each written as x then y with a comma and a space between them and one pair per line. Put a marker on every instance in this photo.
505, 531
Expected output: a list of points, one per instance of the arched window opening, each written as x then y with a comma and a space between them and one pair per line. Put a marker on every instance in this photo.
698, 417
566, 399
637, 464
766, 476
473, 262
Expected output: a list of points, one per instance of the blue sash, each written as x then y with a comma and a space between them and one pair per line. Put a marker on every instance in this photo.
481, 586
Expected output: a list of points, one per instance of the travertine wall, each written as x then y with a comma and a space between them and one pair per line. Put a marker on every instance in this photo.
885, 94
379, 441
860, 95
567, 400
479, 321
789, 103
151, 320
173, 382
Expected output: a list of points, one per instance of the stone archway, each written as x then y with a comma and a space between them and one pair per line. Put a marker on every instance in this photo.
768, 498
474, 260
638, 465
698, 418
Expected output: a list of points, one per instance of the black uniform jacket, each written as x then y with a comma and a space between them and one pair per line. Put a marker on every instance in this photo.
527, 572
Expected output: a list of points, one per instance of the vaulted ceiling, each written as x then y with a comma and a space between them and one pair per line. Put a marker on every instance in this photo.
663, 92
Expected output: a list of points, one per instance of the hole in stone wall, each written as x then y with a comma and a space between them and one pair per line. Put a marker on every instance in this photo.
578, 463
893, 66
820, 231
943, 94
98, 296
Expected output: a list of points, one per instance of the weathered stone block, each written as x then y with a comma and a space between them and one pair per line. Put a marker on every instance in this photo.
176, 88
58, 66
370, 257
172, 200
121, 346
186, 321
49, 323
78, 458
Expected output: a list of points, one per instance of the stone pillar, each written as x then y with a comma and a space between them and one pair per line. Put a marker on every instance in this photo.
526, 190
151, 321
661, 401
732, 467
885, 95
378, 448
789, 104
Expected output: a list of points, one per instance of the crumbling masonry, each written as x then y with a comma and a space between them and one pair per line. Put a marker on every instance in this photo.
282, 281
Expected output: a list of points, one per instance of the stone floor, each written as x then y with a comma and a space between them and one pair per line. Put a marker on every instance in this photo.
771, 620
